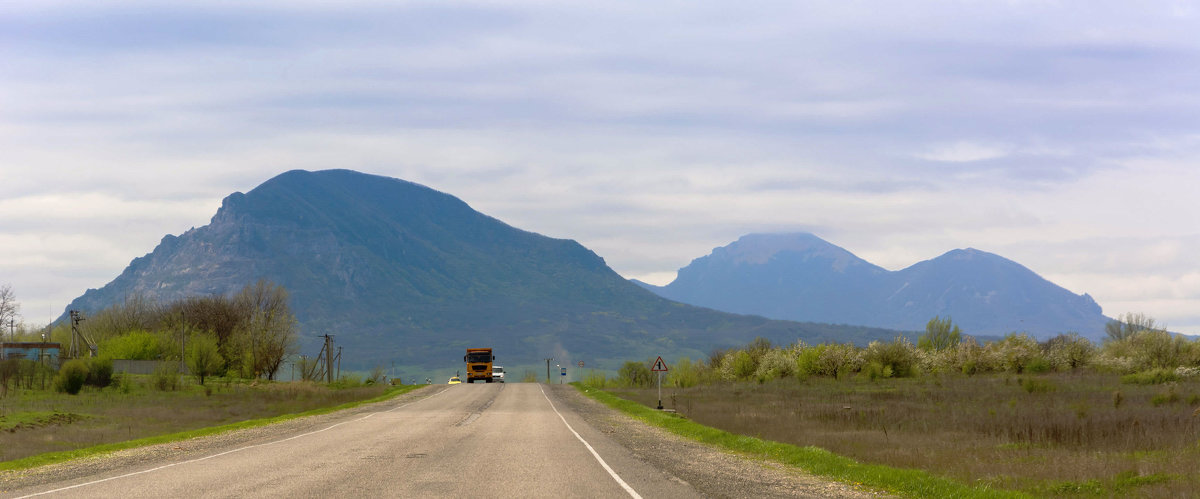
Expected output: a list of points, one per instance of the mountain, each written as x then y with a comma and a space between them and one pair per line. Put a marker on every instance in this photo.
399, 272
804, 278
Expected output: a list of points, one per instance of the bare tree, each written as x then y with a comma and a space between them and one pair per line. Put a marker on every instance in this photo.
268, 332
8, 306
1130, 324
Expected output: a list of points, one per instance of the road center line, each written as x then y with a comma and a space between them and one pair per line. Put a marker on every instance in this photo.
613, 474
239, 449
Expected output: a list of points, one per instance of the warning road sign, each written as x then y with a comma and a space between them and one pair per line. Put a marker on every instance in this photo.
659, 365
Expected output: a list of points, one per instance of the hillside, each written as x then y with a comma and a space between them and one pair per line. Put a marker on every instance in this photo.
804, 278
399, 272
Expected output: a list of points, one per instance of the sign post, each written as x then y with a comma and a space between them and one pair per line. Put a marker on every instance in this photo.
562, 374
660, 367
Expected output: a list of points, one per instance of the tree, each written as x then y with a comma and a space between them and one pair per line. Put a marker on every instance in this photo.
203, 358
8, 305
268, 331
1128, 325
940, 334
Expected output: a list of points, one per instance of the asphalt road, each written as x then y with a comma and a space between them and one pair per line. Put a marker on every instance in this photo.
481, 440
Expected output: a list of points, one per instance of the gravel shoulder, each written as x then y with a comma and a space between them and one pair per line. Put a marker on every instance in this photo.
711, 471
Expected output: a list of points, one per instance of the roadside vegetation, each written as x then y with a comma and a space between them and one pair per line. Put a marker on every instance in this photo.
1062, 417
233, 348
47, 424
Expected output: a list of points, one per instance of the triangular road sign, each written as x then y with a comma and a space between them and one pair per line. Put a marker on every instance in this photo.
659, 365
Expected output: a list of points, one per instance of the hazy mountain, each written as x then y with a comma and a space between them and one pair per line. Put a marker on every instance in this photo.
802, 277
400, 272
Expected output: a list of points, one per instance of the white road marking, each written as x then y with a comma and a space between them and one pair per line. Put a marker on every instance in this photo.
613, 474
205, 458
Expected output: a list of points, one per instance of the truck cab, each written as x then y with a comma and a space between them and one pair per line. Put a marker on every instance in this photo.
479, 364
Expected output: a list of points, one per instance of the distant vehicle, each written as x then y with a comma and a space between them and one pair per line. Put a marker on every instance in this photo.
498, 374
454, 381
479, 364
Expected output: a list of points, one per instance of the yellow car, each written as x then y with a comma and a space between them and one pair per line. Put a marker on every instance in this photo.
454, 381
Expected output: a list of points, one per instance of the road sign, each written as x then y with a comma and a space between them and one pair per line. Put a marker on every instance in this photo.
581, 363
563, 371
659, 366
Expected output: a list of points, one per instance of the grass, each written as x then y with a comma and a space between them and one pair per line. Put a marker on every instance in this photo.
103, 421
909, 482
1083, 434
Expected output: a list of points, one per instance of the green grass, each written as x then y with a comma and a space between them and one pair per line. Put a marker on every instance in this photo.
907, 482
57, 457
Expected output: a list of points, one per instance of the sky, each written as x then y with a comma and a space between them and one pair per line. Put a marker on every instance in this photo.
1064, 135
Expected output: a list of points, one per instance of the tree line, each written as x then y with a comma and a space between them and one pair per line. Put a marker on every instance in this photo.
246, 334
1134, 346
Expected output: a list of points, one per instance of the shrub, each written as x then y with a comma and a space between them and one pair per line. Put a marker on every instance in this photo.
71, 376
1150, 377
593, 378
1015, 352
838, 361
899, 357
1036, 385
738, 365
684, 374
100, 372
634, 374
777, 363
806, 360
166, 376
1168, 396
1069, 351
1038, 365
134, 345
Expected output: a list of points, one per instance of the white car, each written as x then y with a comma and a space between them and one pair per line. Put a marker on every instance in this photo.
497, 374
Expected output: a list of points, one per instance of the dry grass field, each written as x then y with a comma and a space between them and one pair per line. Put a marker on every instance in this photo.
36, 422
1049, 434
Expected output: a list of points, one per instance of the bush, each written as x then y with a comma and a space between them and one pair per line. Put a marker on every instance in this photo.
777, 363
135, 345
838, 361
738, 365
71, 376
1035, 385
684, 374
1015, 352
899, 357
806, 360
1150, 377
166, 376
100, 372
1069, 351
634, 374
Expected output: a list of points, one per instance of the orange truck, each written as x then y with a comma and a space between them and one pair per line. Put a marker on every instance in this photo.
479, 364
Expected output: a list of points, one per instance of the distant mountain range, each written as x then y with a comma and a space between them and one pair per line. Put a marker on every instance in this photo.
402, 273
804, 278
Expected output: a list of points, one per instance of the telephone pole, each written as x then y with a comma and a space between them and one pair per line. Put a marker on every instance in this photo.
548, 359
329, 358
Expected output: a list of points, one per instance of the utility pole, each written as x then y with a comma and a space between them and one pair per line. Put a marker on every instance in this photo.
548, 359
76, 317
339, 363
329, 358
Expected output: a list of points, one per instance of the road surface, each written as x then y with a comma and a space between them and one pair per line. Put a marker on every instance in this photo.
480, 440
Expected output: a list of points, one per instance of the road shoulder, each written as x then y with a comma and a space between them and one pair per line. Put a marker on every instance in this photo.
710, 471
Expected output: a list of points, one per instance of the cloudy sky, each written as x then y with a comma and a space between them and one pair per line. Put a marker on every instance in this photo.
1064, 135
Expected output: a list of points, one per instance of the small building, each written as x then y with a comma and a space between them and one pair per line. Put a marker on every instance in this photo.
32, 350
